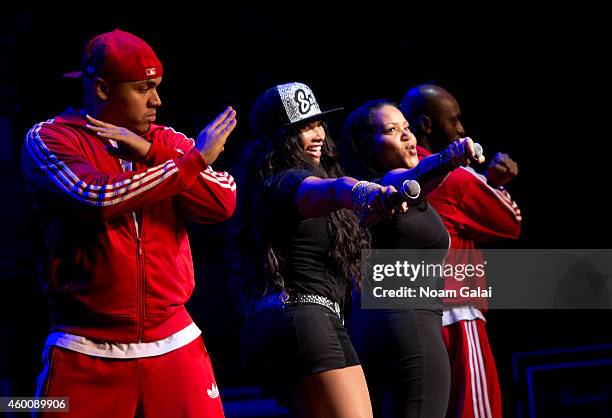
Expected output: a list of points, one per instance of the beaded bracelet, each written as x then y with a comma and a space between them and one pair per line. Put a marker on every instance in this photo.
361, 190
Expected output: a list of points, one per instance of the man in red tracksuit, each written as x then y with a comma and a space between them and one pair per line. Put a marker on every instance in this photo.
114, 190
476, 210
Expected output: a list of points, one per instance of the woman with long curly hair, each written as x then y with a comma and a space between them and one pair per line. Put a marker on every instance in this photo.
310, 244
401, 349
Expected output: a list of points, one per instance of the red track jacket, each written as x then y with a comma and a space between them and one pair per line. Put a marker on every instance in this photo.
474, 213
118, 264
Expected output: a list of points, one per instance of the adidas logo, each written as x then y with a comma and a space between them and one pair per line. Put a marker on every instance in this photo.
213, 392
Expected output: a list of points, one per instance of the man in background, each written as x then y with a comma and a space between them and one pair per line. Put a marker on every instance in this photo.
476, 209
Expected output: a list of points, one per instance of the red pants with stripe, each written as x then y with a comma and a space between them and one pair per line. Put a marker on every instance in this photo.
475, 391
180, 383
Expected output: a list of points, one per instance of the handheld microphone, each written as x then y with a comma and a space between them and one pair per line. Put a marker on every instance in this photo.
478, 150
409, 192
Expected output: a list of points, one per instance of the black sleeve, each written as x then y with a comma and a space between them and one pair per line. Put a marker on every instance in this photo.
279, 193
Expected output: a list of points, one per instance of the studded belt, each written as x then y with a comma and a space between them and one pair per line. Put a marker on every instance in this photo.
278, 300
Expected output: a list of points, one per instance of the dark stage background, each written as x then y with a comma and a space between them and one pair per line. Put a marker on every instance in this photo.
530, 82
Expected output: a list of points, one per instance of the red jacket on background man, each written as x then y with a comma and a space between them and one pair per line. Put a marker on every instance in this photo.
474, 213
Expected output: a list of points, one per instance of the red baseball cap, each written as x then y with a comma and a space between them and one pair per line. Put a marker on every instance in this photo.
118, 56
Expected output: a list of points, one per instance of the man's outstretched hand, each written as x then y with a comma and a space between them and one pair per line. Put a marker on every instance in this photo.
211, 141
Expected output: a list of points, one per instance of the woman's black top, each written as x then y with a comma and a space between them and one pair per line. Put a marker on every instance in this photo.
305, 243
419, 229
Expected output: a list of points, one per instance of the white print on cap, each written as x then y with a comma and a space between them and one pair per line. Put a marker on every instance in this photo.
150, 71
298, 100
213, 392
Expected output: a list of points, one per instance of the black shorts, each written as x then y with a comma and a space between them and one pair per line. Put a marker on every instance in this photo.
284, 345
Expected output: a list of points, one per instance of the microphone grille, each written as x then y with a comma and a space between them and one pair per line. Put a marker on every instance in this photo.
478, 149
411, 189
